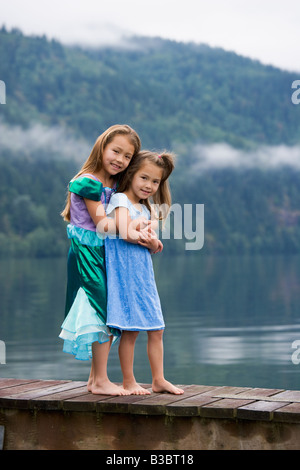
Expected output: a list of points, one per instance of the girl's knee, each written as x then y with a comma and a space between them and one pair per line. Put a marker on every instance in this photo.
129, 335
155, 335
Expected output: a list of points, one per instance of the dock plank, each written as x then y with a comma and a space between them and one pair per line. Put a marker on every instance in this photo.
4, 383
262, 410
86, 402
40, 390
54, 401
256, 394
259, 392
15, 397
25, 387
190, 406
288, 395
289, 413
223, 408
157, 402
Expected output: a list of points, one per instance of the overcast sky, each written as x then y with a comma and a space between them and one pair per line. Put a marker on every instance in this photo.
267, 30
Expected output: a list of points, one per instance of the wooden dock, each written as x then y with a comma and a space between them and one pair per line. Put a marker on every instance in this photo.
62, 415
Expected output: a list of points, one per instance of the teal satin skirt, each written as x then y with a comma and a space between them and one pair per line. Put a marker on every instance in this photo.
86, 300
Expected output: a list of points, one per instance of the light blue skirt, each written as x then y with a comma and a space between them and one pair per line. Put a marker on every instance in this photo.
82, 327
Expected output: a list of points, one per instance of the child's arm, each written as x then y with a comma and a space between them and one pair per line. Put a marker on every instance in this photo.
130, 230
97, 213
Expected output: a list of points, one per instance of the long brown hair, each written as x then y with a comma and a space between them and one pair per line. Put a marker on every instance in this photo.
94, 162
162, 198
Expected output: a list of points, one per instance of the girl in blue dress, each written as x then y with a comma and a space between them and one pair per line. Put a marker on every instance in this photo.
84, 330
133, 303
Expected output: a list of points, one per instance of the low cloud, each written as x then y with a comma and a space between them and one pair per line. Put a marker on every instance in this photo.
222, 155
60, 142
45, 141
93, 35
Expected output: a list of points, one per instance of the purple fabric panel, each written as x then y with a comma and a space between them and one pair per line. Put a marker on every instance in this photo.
79, 214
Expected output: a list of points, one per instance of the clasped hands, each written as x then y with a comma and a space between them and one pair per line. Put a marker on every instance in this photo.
147, 235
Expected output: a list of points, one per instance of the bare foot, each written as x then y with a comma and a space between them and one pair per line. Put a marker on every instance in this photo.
135, 389
106, 388
89, 385
160, 386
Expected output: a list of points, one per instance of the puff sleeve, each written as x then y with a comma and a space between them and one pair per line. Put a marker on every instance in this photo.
87, 188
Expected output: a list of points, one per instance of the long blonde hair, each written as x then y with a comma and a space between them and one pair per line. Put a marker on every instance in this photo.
94, 162
162, 197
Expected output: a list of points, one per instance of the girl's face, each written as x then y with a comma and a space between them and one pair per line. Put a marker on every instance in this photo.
117, 154
145, 181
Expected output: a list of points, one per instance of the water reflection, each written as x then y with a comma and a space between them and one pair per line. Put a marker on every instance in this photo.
230, 321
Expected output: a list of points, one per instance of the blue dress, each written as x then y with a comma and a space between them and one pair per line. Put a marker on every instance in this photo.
132, 298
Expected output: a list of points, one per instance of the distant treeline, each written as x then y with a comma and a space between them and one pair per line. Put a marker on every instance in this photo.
246, 212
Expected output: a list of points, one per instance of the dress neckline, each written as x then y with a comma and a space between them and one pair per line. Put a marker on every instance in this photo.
133, 205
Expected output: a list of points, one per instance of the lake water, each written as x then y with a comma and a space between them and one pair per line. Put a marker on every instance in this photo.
229, 321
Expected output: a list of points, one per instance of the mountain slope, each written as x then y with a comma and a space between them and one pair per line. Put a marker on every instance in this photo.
170, 92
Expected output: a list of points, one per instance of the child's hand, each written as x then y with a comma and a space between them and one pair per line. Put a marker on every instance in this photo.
148, 231
141, 223
159, 248
148, 239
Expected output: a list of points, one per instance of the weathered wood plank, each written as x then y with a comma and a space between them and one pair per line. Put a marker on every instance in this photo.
190, 404
54, 401
157, 402
260, 392
42, 390
25, 387
189, 407
226, 389
288, 395
119, 404
22, 400
4, 383
288, 413
85, 402
152, 405
223, 408
259, 410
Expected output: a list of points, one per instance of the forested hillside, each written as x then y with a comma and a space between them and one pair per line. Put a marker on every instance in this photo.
176, 96
169, 91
